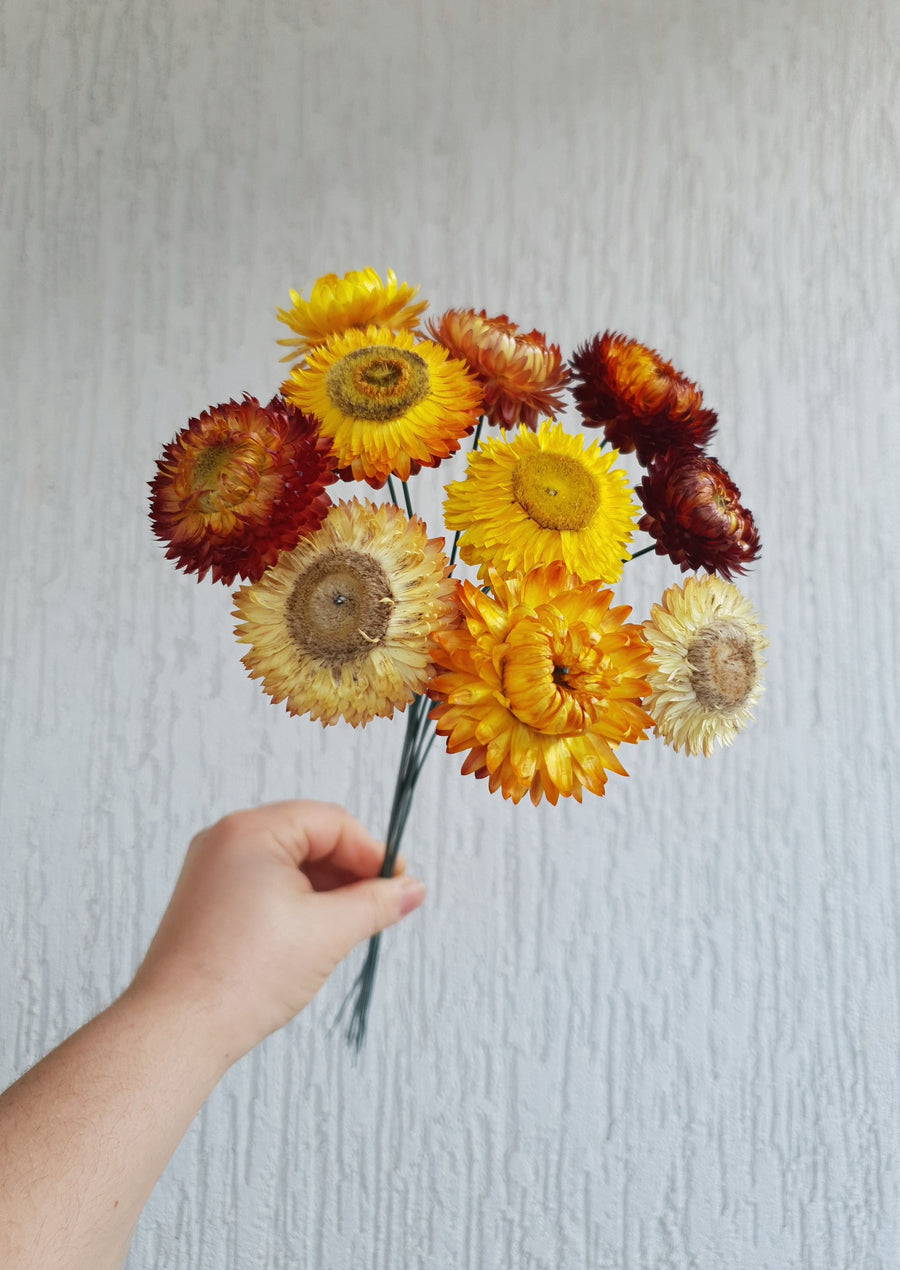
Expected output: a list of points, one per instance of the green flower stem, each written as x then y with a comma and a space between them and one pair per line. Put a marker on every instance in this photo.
643, 551
417, 742
412, 759
475, 440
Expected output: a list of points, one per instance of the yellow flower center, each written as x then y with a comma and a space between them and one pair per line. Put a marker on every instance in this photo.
555, 490
208, 465
552, 678
224, 475
378, 383
340, 607
724, 667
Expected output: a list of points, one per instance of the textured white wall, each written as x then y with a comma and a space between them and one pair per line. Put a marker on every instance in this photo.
657, 1030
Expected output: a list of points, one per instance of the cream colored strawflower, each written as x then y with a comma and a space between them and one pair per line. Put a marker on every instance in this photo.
706, 665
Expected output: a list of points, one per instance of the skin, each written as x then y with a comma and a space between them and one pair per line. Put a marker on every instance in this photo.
267, 904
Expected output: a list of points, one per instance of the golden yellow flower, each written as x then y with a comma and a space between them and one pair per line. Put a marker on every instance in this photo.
389, 405
540, 683
341, 627
542, 497
706, 664
358, 299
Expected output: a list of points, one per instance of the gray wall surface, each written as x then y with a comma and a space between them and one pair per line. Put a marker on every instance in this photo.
660, 1029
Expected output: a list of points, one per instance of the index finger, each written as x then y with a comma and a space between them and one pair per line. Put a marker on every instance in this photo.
307, 831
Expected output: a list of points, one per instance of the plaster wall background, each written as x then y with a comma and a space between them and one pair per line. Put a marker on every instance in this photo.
656, 1030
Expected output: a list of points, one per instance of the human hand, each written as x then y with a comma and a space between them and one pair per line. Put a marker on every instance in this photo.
267, 904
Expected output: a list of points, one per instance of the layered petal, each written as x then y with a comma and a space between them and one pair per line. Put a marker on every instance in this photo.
539, 684
239, 484
389, 404
342, 626
542, 496
706, 664
693, 510
521, 375
359, 299
639, 400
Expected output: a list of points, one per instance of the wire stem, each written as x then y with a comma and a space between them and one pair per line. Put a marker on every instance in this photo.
474, 447
412, 758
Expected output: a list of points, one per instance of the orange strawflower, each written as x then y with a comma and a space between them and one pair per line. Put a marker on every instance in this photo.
521, 375
642, 403
238, 485
540, 683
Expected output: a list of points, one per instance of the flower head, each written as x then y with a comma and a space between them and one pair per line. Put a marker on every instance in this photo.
693, 510
706, 665
359, 299
641, 402
389, 405
239, 484
341, 627
542, 496
521, 375
540, 683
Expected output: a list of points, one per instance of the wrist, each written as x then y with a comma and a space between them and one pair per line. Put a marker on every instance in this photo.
184, 1024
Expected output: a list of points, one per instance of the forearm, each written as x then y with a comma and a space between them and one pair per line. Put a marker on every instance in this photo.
85, 1135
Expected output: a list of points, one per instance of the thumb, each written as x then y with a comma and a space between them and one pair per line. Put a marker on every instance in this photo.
361, 909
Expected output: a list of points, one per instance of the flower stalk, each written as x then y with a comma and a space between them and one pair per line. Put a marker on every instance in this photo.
416, 746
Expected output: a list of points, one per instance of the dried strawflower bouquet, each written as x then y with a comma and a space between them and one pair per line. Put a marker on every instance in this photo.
527, 668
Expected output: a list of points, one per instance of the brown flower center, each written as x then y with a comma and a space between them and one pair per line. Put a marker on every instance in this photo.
379, 383
555, 490
724, 667
340, 607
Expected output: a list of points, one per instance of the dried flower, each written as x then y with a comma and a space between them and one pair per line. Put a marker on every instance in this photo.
239, 484
542, 496
540, 684
341, 627
642, 403
706, 665
522, 377
693, 510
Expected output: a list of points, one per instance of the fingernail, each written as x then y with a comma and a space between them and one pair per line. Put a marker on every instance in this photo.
400, 865
412, 893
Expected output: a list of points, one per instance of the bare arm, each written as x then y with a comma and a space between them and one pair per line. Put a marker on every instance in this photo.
267, 904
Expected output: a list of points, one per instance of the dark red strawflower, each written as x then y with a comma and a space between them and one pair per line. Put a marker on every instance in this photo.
693, 510
238, 485
642, 403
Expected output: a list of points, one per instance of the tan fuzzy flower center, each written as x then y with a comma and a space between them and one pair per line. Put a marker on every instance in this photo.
555, 490
379, 383
340, 607
724, 666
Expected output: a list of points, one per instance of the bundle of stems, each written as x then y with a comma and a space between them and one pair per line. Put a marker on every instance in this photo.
416, 744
